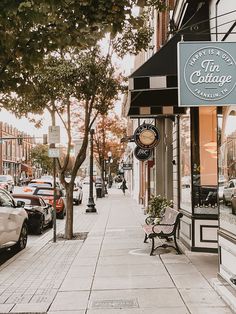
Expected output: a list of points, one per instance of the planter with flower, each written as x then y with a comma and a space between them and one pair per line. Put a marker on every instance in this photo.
156, 208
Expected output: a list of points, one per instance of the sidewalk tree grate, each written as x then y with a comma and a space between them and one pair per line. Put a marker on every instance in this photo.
115, 304
76, 236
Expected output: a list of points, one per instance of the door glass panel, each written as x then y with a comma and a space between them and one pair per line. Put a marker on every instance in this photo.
205, 162
185, 163
227, 168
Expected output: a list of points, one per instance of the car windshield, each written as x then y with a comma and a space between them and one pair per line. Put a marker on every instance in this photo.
3, 178
46, 192
28, 201
36, 184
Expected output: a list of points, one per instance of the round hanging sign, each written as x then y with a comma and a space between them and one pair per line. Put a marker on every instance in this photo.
142, 154
147, 136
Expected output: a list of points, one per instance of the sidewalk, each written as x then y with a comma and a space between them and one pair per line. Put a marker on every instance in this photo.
110, 272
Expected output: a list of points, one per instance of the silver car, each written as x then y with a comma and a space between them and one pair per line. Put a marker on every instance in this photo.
13, 222
7, 182
229, 191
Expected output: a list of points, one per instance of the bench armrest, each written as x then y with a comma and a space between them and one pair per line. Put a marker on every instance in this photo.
150, 220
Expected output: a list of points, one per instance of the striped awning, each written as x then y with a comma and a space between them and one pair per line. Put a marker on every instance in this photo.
153, 87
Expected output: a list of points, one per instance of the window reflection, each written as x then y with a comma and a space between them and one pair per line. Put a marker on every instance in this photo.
205, 162
227, 168
185, 163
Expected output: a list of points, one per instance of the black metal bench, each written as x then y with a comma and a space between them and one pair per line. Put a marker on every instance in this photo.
166, 229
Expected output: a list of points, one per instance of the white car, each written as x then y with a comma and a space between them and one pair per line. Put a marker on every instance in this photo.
7, 182
229, 191
77, 194
77, 191
13, 222
221, 185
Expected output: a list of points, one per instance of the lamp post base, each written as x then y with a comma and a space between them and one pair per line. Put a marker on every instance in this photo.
91, 206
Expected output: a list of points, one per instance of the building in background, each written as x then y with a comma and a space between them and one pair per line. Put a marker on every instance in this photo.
15, 153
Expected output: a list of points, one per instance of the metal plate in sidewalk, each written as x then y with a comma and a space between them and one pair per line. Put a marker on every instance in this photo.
115, 304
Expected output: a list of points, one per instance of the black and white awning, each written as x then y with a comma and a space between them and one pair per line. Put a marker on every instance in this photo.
153, 86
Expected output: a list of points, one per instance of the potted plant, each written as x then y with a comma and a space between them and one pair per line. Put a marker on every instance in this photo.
156, 207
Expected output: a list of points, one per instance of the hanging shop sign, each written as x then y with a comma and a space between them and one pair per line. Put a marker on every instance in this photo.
142, 154
207, 73
128, 166
147, 136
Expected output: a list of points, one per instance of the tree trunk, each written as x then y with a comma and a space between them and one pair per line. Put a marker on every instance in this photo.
69, 211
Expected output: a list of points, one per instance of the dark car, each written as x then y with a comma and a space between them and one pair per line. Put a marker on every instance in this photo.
40, 214
47, 194
233, 204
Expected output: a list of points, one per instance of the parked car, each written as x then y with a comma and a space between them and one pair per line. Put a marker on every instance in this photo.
229, 191
77, 194
33, 184
7, 182
47, 177
40, 213
221, 185
86, 180
13, 222
47, 194
233, 204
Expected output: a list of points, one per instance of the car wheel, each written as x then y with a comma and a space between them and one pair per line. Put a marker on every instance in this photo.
21, 244
80, 201
76, 202
224, 200
50, 225
61, 214
39, 229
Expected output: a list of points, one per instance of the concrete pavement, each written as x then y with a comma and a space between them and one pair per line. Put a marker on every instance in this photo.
110, 272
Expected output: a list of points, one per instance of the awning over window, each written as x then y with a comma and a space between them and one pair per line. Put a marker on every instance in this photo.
154, 84
26, 168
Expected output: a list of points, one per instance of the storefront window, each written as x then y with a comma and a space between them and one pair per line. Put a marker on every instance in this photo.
227, 167
204, 168
185, 163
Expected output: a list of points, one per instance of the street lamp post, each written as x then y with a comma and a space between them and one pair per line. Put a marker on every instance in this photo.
91, 205
110, 161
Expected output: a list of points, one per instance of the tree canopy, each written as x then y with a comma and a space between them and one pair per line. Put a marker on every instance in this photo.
32, 29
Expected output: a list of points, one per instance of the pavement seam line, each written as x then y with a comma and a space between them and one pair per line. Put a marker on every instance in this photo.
99, 253
174, 284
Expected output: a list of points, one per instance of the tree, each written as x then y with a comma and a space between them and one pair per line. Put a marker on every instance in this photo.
42, 68
39, 156
108, 133
32, 29
80, 82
